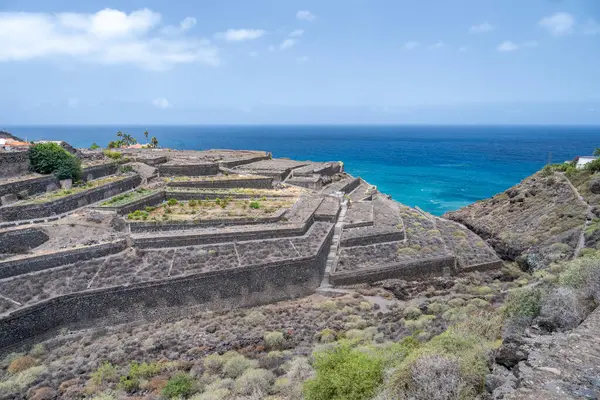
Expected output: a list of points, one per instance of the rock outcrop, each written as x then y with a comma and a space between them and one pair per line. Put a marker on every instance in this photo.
538, 221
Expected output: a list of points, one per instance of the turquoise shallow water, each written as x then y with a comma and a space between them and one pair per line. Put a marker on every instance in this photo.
438, 168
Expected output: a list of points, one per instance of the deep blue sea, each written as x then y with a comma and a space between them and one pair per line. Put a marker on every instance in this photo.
438, 168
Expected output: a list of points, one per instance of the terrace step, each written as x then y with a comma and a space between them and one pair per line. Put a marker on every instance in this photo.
332, 257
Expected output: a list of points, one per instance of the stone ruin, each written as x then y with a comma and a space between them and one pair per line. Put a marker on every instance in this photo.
157, 231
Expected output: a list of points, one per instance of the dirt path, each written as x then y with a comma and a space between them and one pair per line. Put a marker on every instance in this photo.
589, 216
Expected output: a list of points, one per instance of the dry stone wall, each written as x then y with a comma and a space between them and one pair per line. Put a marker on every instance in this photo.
37, 263
200, 169
68, 203
21, 240
248, 286
13, 163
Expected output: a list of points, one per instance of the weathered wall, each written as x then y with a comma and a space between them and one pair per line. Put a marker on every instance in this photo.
243, 161
46, 261
30, 186
188, 169
59, 206
372, 238
241, 287
46, 183
13, 163
179, 225
255, 183
22, 240
418, 269
99, 171
193, 239
150, 200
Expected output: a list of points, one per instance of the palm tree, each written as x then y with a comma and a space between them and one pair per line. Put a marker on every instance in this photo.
128, 139
119, 134
154, 142
146, 134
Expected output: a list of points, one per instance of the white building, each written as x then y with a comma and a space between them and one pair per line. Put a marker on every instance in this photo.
582, 161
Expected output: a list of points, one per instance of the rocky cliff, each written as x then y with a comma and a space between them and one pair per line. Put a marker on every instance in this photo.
545, 218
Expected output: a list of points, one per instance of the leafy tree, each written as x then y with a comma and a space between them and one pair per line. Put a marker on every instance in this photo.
48, 158
94, 146
154, 142
115, 144
597, 151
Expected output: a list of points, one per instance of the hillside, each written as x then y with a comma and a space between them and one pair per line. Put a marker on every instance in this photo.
538, 221
6, 135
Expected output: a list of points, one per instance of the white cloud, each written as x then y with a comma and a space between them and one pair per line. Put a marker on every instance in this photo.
253, 54
558, 24
73, 102
107, 37
462, 49
287, 43
508, 46
437, 45
297, 33
591, 27
239, 35
302, 59
411, 45
161, 103
482, 28
187, 24
305, 15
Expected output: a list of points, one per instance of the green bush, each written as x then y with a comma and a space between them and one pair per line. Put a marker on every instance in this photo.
115, 155
105, 373
180, 385
94, 146
255, 205
524, 302
255, 382
236, 365
344, 373
48, 158
172, 202
274, 340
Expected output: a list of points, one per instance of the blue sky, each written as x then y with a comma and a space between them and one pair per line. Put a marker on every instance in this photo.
288, 61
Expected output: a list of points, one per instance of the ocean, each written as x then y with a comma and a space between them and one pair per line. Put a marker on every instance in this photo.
438, 168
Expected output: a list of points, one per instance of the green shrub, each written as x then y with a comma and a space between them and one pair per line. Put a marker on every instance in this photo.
48, 158
344, 373
105, 373
115, 155
172, 202
180, 385
236, 365
255, 205
254, 382
524, 302
94, 146
274, 340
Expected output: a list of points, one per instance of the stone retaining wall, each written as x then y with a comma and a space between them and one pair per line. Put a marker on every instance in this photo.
191, 195
68, 203
22, 240
487, 266
240, 287
409, 270
372, 238
48, 183
31, 186
139, 204
221, 237
99, 171
243, 161
182, 225
188, 169
13, 163
254, 183
37, 263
